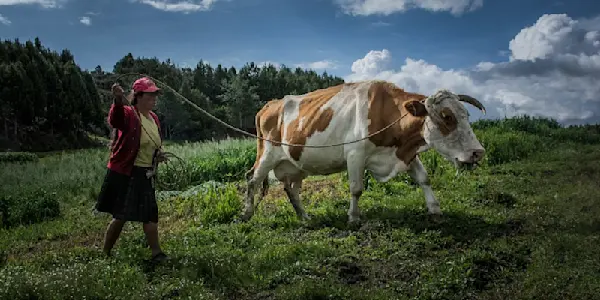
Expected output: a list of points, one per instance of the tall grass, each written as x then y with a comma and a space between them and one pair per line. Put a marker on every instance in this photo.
66, 177
226, 160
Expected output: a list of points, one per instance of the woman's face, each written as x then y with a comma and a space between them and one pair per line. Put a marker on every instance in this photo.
147, 101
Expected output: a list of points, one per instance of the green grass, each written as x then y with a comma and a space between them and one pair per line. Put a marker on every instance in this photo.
523, 226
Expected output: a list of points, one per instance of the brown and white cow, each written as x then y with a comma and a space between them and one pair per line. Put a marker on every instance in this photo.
351, 111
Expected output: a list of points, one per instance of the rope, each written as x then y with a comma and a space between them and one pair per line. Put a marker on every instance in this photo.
251, 134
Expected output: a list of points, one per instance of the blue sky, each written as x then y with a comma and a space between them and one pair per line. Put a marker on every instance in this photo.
331, 35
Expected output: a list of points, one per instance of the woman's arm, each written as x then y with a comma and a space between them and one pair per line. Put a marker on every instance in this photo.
116, 114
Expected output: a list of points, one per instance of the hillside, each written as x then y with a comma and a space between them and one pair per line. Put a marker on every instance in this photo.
48, 103
523, 226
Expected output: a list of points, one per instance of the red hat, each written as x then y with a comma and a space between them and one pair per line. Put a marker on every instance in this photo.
146, 85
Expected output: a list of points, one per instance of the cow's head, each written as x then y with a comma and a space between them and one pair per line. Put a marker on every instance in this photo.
447, 128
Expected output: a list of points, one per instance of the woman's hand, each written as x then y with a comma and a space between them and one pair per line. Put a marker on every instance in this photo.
161, 157
117, 91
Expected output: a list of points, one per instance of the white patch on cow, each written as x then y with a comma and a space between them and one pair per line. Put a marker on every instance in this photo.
350, 111
384, 164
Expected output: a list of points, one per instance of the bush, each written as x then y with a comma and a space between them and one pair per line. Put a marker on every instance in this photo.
536, 125
502, 147
212, 202
543, 127
28, 208
226, 162
13, 157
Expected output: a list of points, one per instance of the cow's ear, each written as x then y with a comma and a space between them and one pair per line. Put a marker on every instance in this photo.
416, 108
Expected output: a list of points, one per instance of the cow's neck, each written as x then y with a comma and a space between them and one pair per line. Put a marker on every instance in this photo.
409, 138
387, 105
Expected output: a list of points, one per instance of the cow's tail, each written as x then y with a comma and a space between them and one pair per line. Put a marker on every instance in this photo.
259, 145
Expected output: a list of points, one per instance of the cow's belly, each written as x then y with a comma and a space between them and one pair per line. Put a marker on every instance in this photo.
384, 164
319, 161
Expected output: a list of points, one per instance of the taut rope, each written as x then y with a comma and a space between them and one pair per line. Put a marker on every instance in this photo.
248, 133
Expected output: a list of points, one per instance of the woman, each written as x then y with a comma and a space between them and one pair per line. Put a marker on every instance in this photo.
128, 190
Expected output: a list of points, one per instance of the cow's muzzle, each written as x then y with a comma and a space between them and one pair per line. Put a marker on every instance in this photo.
470, 160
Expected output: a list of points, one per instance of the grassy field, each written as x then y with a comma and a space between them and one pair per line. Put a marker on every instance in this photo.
526, 225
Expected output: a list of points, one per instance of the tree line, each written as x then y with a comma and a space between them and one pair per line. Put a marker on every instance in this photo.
47, 102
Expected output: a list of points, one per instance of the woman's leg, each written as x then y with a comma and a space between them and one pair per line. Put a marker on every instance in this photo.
151, 231
141, 206
112, 234
110, 200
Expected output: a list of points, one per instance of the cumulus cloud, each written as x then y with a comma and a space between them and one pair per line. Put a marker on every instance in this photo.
374, 62
318, 65
387, 7
42, 3
553, 71
186, 6
85, 21
4, 20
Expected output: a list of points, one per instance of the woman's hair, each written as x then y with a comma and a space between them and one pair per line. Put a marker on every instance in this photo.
133, 100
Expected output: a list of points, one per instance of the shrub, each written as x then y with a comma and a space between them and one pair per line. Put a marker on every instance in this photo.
543, 127
212, 202
225, 162
13, 157
28, 208
502, 147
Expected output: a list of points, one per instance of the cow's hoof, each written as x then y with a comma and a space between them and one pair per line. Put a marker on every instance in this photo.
305, 218
354, 225
243, 218
436, 218
354, 222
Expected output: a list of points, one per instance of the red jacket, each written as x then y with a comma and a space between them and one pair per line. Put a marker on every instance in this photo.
123, 153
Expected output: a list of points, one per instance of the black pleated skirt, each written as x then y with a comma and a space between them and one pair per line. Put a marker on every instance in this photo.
128, 198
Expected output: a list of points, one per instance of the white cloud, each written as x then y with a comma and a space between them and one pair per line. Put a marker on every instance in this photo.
4, 20
186, 6
268, 62
374, 62
387, 7
318, 65
85, 21
553, 71
43, 3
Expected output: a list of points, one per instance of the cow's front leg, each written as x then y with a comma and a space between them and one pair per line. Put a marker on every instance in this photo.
419, 174
356, 169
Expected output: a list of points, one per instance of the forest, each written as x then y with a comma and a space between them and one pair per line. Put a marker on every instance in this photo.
49, 103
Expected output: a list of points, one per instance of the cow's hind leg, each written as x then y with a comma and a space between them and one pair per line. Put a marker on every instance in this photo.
419, 174
261, 171
292, 189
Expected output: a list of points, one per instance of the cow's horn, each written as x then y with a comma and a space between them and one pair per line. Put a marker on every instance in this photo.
472, 101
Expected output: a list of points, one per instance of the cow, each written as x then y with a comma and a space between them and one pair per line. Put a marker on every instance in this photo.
352, 111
